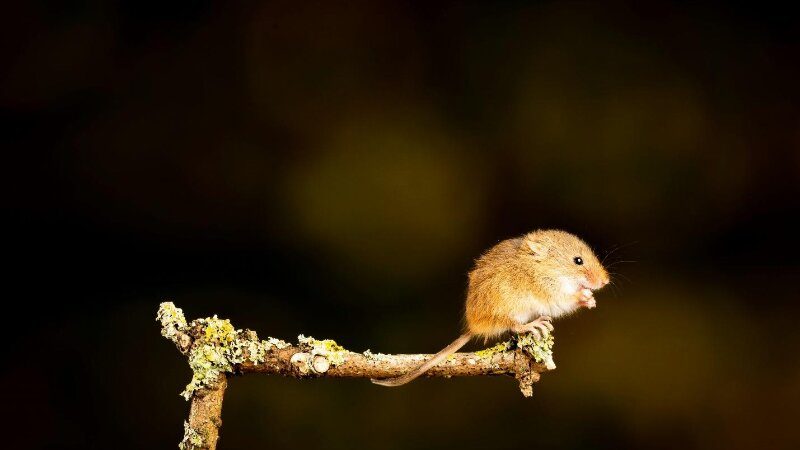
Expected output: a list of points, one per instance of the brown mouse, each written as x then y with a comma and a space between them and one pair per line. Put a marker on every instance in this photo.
519, 285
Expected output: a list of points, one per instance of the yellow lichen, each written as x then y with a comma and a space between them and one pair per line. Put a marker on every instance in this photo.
491, 351
219, 348
328, 348
219, 331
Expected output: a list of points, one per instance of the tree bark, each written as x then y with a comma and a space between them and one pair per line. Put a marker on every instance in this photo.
205, 414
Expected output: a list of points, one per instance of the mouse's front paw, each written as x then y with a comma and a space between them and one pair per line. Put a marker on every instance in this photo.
586, 299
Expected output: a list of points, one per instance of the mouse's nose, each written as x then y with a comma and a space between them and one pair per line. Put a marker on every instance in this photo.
604, 279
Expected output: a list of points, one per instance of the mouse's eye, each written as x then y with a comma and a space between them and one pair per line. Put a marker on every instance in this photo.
578, 260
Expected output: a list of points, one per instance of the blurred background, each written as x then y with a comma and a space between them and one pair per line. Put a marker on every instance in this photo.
333, 169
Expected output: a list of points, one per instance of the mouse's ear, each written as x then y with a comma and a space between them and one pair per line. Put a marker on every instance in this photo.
538, 249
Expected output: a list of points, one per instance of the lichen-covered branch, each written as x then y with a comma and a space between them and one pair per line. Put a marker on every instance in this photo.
216, 349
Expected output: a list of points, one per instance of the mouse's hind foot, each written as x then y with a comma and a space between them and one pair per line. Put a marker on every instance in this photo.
540, 327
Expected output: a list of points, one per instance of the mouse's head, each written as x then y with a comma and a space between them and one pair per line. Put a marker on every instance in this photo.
566, 259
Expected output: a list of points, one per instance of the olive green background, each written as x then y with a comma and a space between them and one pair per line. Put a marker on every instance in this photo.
334, 168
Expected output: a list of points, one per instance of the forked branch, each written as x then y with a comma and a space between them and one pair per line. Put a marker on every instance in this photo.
216, 350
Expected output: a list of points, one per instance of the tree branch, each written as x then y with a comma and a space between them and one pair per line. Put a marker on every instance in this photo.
216, 350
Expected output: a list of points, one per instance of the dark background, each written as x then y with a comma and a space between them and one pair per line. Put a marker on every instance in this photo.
333, 169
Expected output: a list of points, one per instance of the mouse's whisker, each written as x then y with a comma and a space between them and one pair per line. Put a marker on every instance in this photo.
611, 252
617, 276
621, 262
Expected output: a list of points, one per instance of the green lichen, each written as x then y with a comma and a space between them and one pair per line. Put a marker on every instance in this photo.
216, 349
191, 438
172, 320
540, 349
328, 348
207, 363
277, 343
213, 354
221, 349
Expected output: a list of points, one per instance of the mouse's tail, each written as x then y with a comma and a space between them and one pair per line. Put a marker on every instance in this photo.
437, 358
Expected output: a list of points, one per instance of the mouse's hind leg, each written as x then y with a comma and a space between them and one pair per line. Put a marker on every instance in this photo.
540, 327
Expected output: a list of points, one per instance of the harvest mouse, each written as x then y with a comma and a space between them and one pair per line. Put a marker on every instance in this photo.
519, 285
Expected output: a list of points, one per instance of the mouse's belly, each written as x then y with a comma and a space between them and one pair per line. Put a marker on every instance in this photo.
531, 308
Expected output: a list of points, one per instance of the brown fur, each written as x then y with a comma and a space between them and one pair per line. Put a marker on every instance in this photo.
519, 280
511, 274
